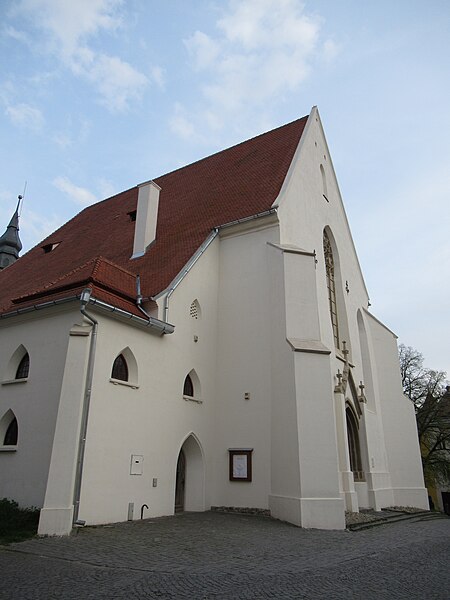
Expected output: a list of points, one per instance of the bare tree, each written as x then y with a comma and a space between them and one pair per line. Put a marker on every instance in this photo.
419, 382
427, 389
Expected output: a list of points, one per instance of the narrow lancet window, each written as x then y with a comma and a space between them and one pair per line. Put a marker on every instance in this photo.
329, 267
353, 446
188, 388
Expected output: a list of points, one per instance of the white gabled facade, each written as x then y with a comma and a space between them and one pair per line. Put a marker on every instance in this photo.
253, 331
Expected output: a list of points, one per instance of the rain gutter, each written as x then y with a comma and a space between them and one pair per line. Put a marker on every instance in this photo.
150, 322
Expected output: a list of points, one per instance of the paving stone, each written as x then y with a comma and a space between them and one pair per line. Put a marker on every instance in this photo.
216, 556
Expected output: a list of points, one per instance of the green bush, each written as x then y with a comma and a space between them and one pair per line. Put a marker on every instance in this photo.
16, 524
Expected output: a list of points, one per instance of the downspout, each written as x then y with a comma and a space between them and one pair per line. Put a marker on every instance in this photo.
84, 299
179, 278
139, 297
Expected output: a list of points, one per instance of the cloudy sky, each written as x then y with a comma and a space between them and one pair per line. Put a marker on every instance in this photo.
99, 95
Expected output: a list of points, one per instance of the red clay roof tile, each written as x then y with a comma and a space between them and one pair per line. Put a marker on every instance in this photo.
96, 245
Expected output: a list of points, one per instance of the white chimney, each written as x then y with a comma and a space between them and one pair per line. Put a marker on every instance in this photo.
146, 217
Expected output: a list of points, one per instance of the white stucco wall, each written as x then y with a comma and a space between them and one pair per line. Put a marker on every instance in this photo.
244, 365
153, 420
399, 423
304, 213
23, 473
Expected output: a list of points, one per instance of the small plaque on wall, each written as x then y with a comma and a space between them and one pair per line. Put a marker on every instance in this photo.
240, 464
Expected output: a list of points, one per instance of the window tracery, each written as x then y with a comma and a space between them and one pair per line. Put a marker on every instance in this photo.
331, 286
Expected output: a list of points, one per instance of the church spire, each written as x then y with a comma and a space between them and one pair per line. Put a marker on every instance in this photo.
10, 244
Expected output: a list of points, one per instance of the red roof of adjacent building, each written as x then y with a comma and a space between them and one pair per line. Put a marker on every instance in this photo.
95, 247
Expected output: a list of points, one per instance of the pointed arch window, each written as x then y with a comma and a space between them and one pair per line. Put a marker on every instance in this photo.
120, 369
188, 388
24, 367
11, 434
331, 286
353, 446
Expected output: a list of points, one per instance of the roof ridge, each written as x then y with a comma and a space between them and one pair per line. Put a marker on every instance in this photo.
229, 148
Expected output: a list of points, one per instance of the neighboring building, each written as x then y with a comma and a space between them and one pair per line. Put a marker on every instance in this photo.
227, 374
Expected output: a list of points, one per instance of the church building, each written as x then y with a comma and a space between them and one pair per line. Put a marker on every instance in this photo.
203, 340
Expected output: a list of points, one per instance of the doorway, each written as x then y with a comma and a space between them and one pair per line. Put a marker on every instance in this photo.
190, 477
180, 482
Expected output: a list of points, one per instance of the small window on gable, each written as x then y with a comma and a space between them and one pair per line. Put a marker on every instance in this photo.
132, 215
24, 367
194, 310
188, 388
324, 183
11, 434
120, 369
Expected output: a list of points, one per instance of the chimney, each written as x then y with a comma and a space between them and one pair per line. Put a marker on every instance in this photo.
146, 217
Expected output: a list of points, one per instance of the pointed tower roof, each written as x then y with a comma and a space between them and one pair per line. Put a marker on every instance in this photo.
10, 244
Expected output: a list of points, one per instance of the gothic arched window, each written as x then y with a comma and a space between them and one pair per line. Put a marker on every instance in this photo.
23, 368
331, 286
188, 388
353, 446
11, 434
120, 369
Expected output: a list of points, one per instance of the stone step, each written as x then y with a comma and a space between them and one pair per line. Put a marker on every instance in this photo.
395, 518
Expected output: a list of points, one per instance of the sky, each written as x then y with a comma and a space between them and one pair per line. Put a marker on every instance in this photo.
97, 96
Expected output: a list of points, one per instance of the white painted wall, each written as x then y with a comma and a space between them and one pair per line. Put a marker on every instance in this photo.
244, 364
399, 423
45, 335
153, 420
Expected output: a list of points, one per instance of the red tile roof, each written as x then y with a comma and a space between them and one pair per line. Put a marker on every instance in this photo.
95, 246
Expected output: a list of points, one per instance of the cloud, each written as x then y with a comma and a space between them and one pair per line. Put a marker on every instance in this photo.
180, 124
261, 50
77, 194
19, 36
117, 81
330, 51
70, 23
158, 75
106, 188
203, 50
68, 28
25, 116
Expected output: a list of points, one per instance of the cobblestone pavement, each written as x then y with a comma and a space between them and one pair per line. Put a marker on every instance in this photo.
213, 556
